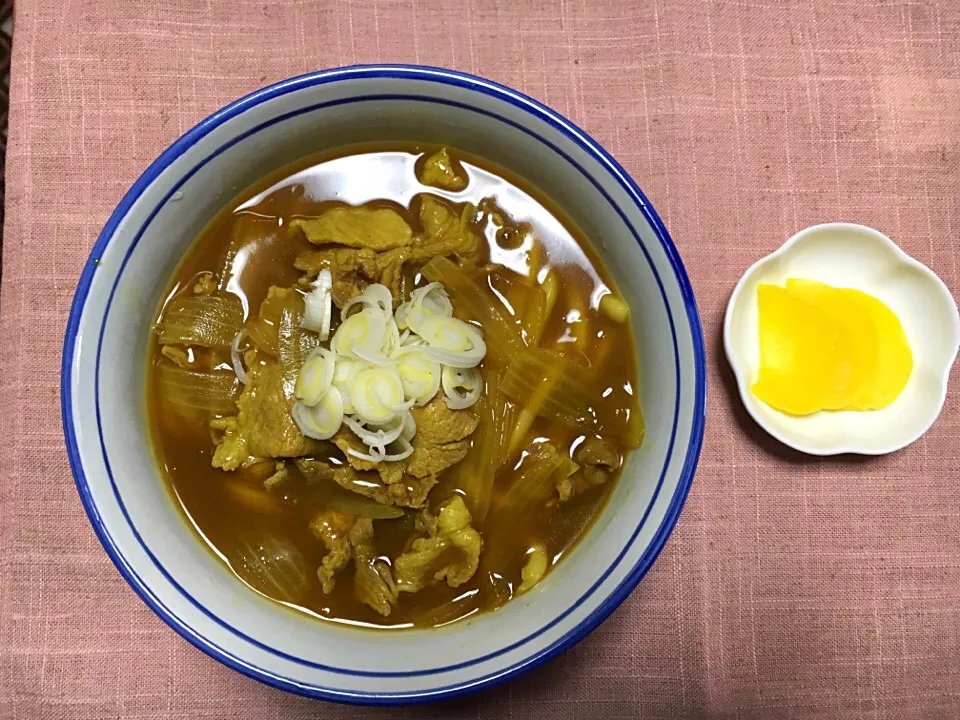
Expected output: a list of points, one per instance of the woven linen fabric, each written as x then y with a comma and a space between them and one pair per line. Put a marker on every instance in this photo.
793, 587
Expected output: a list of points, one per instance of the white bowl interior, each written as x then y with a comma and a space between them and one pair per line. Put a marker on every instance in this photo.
845, 255
136, 511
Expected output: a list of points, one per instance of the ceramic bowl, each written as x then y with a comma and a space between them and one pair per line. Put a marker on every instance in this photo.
104, 366
854, 256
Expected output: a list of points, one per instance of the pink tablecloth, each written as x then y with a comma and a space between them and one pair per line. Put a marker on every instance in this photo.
792, 587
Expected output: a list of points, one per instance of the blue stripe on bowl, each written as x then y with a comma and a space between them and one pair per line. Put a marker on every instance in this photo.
428, 75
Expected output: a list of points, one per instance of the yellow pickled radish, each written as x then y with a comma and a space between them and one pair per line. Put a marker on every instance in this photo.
802, 354
857, 328
894, 357
827, 348
873, 325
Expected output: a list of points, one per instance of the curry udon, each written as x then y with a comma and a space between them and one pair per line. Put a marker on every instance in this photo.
392, 386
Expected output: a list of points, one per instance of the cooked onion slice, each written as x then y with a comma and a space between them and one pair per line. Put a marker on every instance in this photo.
503, 335
350, 503
462, 387
315, 376
320, 421
205, 320
318, 311
235, 358
190, 391
273, 565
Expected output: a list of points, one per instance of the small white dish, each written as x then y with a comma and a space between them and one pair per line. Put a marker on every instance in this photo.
854, 256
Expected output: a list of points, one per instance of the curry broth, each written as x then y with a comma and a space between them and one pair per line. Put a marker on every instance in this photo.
223, 506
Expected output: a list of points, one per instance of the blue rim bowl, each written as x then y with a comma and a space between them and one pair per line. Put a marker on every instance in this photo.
113, 517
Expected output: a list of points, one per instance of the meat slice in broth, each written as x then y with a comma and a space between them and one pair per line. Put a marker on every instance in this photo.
450, 553
377, 229
262, 427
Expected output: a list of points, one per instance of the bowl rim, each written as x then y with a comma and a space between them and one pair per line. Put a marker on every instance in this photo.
742, 376
537, 111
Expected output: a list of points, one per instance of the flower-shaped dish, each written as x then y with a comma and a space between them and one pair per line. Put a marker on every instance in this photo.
854, 256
